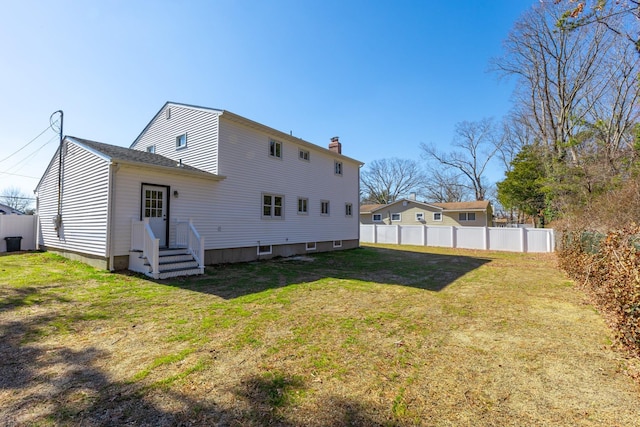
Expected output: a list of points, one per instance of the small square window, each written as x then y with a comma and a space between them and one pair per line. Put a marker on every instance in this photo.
471, 216
151, 149
181, 141
324, 207
265, 250
437, 216
275, 148
420, 216
338, 168
377, 217
396, 217
303, 154
311, 246
303, 206
348, 209
337, 243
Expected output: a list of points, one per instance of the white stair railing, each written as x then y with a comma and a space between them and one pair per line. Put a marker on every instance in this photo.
143, 239
188, 237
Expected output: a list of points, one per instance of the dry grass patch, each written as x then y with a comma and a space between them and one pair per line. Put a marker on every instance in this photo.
373, 336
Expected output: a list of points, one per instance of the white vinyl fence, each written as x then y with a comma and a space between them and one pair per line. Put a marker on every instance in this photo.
18, 226
487, 238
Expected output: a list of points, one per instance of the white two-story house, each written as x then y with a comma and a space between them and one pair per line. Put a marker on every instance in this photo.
199, 186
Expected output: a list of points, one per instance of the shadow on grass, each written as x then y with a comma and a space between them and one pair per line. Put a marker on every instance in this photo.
431, 272
57, 385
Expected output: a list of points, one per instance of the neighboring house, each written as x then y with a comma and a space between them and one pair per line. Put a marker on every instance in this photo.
224, 187
412, 212
8, 210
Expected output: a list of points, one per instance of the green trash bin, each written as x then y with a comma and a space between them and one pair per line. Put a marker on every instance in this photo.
13, 243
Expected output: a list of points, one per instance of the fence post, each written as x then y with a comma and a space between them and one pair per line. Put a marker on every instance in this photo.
375, 233
453, 237
424, 235
523, 238
485, 239
398, 235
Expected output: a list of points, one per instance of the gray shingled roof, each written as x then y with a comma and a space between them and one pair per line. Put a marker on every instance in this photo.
115, 153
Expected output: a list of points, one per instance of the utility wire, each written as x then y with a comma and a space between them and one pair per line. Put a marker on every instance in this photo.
15, 174
29, 156
26, 145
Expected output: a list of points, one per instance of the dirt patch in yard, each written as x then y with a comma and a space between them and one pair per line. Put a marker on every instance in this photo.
374, 336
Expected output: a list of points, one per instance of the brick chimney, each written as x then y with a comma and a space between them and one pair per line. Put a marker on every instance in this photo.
335, 145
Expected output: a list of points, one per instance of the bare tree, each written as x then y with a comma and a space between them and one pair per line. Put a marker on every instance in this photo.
15, 199
555, 70
619, 16
475, 144
444, 185
384, 181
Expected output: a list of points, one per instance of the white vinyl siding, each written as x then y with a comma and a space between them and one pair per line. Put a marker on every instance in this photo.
85, 194
242, 161
201, 128
228, 213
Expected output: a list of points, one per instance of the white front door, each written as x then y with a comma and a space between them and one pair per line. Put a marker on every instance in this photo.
154, 202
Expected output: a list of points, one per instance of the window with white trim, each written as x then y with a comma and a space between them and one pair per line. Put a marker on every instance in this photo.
311, 246
151, 149
272, 206
324, 207
348, 209
303, 206
337, 167
265, 249
303, 154
420, 216
181, 141
467, 216
337, 243
275, 148
377, 217
396, 217
437, 216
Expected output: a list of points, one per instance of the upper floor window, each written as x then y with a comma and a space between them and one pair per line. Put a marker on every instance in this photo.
348, 209
303, 154
396, 217
151, 149
437, 216
467, 216
377, 217
420, 216
275, 148
324, 207
303, 205
181, 141
168, 113
272, 206
337, 167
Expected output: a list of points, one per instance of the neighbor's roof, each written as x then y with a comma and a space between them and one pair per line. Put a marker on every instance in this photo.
119, 154
455, 206
4, 209
370, 208
458, 206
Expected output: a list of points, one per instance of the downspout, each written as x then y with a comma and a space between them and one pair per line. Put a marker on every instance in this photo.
113, 168
358, 222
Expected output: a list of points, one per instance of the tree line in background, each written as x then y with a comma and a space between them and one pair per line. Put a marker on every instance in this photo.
572, 136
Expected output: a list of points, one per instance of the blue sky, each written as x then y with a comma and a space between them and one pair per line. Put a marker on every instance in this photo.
383, 76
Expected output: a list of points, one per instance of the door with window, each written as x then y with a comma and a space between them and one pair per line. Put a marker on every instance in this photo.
154, 207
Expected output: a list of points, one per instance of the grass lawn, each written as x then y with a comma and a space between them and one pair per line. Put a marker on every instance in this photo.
379, 335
